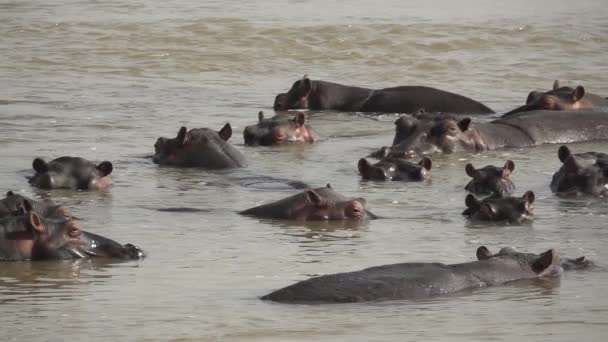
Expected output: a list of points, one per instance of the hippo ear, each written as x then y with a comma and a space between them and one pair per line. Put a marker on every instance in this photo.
426, 163
509, 165
464, 124
471, 201
555, 84
483, 253
304, 86
563, 153
578, 93
105, 168
315, 198
40, 165
533, 95
328, 186
547, 264
260, 116
300, 119
529, 197
10, 193
470, 170
571, 165
181, 135
364, 167
35, 222
226, 132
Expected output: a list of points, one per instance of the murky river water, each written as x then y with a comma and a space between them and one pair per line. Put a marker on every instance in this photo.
104, 79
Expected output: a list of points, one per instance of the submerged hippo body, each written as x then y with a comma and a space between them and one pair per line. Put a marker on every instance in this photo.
33, 237
199, 147
278, 130
71, 173
322, 95
490, 179
585, 173
320, 204
391, 169
419, 280
500, 209
561, 98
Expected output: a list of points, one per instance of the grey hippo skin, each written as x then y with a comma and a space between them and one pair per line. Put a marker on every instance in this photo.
31, 236
14, 205
567, 264
496, 208
581, 173
419, 280
71, 173
199, 147
561, 98
392, 169
490, 179
279, 129
320, 204
321, 95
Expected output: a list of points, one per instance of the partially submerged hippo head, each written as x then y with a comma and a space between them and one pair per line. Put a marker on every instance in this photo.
71, 173
14, 205
296, 97
567, 264
199, 147
585, 173
547, 264
490, 179
450, 135
558, 98
278, 130
320, 204
500, 209
391, 169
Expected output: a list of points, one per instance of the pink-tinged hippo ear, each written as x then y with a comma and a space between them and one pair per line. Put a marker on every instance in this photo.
563, 152
364, 166
509, 165
40, 165
260, 116
426, 163
471, 201
547, 264
34, 221
315, 198
226, 132
555, 84
464, 124
181, 135
105, 168
529, 197
470, 170
483, 253
578, 93
300, 119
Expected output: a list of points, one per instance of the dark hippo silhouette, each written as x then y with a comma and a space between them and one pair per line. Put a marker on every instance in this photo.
419, 280
567, 264
33, 237
199, 147
392, 169
13, 205
71, 173
322, 95
585, 173
320, 204
490, 179
561, 98
500, 209
278, 130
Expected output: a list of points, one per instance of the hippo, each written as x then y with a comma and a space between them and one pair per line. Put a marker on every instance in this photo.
567, 264
31, 236
393, 169
199, 147
71, 173
278, 130
560, 98
419, 280
490, 179
514, 210
13, 205
585, 173
321, 95
320, 204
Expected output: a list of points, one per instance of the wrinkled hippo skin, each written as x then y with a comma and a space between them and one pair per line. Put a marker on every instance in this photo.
561, 98
13, 205
490, 179
419, 280
321, 95
567, 264
500, 209
71, 173
392, 169
585, 173
199, 147
320, 204
278, 130
31, 236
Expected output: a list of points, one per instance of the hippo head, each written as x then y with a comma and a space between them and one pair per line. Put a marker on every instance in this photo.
297, 97
15, 205
71, 173
450, 135
405, 128
558, 98
490, 179
278, 130
579, 175
395, 169
501, 209
547, 264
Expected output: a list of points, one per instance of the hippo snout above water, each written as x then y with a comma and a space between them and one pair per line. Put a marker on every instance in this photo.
496, 208
395, 169
581, 173
490, 179
278, 130
71, 173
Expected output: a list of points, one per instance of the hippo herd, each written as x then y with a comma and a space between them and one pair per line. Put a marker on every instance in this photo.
437, 122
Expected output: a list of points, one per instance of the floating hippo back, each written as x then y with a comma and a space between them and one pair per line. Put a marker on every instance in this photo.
71, 173
278, 130
490, 179
500, 209
585, 173
199, 147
